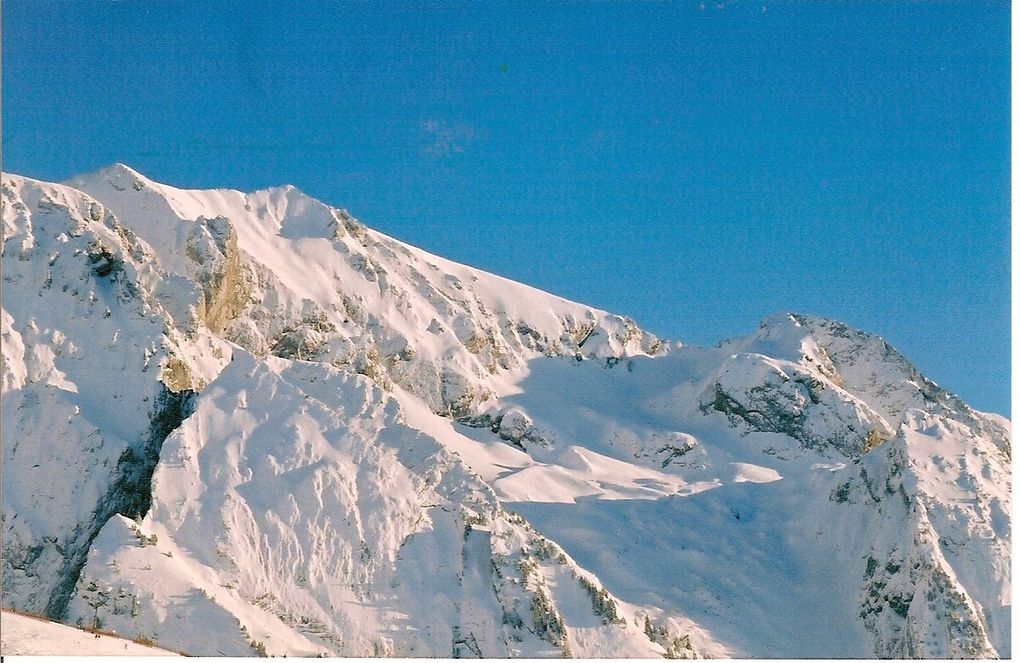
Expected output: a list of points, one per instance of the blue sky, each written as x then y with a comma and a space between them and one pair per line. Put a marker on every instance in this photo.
696, 167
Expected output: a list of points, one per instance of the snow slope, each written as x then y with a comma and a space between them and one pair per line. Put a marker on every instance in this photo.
243, 423
21, 635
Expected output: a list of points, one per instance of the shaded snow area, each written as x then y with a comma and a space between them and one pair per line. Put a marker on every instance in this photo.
21, 635
240, 424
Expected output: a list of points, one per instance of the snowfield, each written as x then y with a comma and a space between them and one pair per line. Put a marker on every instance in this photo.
241, 424
21, 635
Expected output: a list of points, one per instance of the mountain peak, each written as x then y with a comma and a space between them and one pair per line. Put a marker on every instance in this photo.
116, 171
120, 167
242, 422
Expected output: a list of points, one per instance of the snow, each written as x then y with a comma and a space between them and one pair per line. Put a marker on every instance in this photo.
23, 635
373, 451
754, 473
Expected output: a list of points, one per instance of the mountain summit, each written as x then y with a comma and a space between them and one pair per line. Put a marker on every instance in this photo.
244, 423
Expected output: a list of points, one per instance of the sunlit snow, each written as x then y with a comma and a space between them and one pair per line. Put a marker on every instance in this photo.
244, 423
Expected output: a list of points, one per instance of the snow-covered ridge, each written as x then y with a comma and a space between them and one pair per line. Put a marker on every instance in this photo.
284, 274
827, 384
240, 423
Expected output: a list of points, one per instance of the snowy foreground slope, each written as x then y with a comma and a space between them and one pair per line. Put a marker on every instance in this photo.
244, 423
21, 635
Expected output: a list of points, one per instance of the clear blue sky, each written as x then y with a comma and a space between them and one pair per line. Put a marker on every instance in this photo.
696, 168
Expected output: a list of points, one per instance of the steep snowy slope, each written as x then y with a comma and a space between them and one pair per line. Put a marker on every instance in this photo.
296, 510
84, 408
323, 441
904, 546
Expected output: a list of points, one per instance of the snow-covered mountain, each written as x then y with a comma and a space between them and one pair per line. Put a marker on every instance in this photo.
239, 423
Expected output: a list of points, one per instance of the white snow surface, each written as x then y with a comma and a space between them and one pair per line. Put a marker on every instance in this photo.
23, 635
239, 423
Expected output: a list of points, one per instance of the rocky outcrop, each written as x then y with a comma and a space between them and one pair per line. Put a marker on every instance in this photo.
770, 395
911, 598
212, 245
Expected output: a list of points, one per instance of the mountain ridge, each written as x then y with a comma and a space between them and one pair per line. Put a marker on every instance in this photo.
291, 428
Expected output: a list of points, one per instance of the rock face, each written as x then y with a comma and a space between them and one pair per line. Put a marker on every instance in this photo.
212, 245
245, 424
